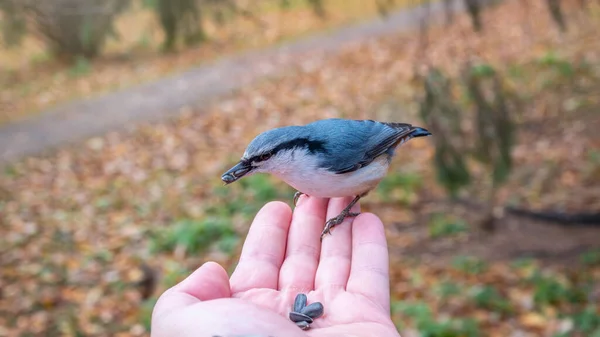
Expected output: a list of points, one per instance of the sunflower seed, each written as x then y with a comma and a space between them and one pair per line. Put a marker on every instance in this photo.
313, 310
299, 302
298, 317
303, 325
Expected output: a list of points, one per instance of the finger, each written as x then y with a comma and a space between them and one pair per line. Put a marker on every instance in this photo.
208, 282
369, 273
336, 249
263, 250
303, 248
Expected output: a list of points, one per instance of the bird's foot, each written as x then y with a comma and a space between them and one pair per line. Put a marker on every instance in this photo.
297, 196
336, 221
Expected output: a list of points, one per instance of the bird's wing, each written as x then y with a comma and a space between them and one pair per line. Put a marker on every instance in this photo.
356, 144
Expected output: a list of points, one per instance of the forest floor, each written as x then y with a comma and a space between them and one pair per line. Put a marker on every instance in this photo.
91, 234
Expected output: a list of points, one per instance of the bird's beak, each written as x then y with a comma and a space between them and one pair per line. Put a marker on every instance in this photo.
241, 169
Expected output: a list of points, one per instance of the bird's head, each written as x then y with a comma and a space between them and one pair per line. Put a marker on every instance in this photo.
275, 151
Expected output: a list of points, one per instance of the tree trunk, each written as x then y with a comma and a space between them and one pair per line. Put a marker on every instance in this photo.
474, 10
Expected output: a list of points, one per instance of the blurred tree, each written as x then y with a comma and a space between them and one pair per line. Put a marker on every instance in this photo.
69, 27
492, 137
225, 8
474, 10
384, 7
185, 18
557, 14
180, 17
13, 26
318, 7
443, 118
494, 127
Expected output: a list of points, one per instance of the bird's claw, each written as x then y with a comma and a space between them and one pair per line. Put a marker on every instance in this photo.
336, 221
297, 196
332, 223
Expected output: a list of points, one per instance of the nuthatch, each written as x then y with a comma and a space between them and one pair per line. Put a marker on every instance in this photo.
327, 158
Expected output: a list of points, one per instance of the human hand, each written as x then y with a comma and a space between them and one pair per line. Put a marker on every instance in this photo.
282, 256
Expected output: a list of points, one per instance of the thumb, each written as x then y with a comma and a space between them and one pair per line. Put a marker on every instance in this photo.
208, 282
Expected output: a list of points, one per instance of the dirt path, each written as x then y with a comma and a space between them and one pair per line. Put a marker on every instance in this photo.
163, 98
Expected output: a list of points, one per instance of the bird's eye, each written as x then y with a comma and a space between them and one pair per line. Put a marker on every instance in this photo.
265, 156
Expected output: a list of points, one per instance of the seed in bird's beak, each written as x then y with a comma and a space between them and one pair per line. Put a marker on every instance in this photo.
313, 310
240, 172
298, 317
228, 178
303, 325
299, 302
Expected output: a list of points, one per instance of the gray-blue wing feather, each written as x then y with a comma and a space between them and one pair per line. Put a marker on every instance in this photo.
356, 143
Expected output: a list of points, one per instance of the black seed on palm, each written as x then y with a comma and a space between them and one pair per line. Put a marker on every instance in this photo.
303, 325
298, 317
299, 302
313, 310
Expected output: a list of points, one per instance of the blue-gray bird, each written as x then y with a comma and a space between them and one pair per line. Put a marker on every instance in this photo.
327, 158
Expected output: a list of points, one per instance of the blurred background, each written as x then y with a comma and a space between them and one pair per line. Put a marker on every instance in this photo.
493, 223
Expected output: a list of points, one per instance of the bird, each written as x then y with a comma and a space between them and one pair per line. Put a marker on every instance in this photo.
326, 158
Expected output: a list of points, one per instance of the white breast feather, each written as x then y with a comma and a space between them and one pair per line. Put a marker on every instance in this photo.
300, 171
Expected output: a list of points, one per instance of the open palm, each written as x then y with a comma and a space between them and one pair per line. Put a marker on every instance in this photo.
282, 256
